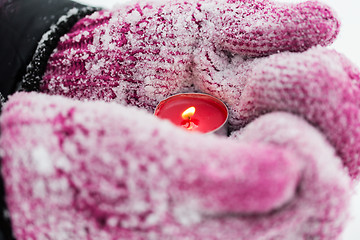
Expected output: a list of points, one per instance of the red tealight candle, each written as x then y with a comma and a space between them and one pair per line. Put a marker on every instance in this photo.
194, 112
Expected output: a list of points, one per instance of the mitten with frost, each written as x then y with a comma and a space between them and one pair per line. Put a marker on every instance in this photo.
95, 170
140, 53
320, 85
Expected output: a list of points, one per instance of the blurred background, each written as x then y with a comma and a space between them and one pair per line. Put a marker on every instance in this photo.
348, 43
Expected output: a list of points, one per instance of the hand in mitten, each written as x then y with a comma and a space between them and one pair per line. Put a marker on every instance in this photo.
320, 85
94, 170
141, 53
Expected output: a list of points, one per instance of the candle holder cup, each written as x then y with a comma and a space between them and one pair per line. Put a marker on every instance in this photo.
208, 114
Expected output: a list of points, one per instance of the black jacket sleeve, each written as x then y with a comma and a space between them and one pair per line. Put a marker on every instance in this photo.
23, 23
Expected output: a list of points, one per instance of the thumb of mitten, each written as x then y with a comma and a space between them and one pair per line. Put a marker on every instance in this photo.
258, 28
237, 178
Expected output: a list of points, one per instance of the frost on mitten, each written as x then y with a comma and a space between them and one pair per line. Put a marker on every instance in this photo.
141, 53
319, 84
95, 170
133, 55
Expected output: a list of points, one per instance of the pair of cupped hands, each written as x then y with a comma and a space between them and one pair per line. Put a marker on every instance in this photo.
285, 172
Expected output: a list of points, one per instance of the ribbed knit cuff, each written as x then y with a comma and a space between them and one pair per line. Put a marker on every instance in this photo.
47, 44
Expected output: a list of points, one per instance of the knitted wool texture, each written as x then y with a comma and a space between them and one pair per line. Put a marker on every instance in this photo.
141, 53
283, 179
105, 171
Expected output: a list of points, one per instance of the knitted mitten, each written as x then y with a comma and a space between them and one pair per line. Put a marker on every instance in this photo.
143, 52
94, 170
321, 85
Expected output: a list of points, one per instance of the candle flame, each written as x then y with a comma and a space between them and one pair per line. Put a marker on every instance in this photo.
188, 113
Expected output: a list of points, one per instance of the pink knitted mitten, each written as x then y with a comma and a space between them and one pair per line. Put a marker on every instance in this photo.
94, 170
320, 85
141, 53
